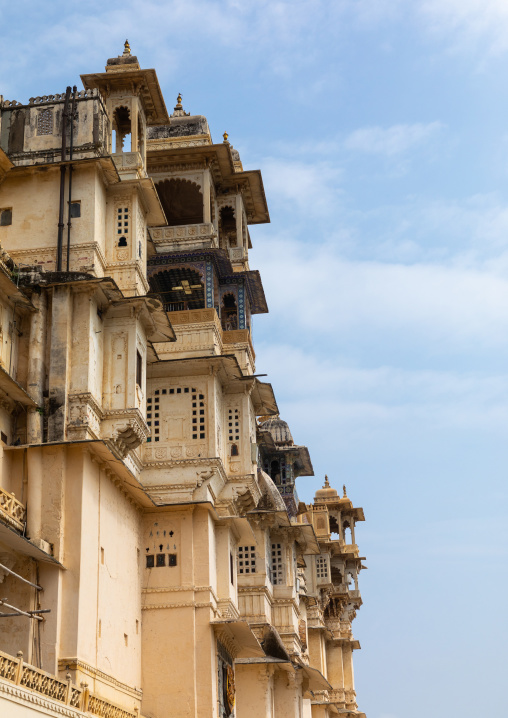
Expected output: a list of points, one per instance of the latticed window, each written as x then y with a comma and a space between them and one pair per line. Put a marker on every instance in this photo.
321, 567
277, 565
246, 559
234, 425
122, 225
197, 410
45, 122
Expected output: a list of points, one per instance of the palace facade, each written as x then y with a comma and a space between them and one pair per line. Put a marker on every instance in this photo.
155, 559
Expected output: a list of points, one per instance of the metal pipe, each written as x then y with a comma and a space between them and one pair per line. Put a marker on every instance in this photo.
13, 573
40, 610
59, 246
71, 147
20, 612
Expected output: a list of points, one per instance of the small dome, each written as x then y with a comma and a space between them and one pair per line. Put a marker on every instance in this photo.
327, 492
279, 431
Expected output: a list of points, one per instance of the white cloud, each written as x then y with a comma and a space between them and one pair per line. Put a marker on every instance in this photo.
310, 187
441, 307
391, 141
384, 396
469, 25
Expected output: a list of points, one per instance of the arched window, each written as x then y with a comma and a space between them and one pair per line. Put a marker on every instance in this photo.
181, 200
234, 450
122, 242
122, 128
227, 227
229, 312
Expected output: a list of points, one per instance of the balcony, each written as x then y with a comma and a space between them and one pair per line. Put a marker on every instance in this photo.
129, 165
184, 238
12, 511
64, 692
239, 336
238, 255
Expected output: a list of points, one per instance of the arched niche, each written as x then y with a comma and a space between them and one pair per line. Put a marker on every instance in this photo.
179, 288
181, 200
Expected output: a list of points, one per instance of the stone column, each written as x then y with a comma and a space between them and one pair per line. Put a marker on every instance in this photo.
36, 351
207, 218
61, 337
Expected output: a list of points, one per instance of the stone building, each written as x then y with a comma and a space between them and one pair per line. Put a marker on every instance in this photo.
155, 559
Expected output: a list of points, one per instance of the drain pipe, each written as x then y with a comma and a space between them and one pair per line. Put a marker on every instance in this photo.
59, 246
71, 147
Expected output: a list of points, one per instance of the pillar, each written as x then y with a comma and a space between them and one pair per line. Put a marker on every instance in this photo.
36, 351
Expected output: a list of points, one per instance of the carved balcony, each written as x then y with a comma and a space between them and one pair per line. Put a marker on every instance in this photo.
129, 165
239, 336
26, 676
184, 238
12, 511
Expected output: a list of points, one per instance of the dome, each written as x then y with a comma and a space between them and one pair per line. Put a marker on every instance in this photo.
327, 492
279, 431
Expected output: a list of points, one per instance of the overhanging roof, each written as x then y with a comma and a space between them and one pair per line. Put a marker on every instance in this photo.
22, 545
146, 82
244, 641
14, 390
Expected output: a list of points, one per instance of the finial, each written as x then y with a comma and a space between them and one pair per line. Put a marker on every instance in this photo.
327, 483
344, 490
179, 102
225, 135
126, 49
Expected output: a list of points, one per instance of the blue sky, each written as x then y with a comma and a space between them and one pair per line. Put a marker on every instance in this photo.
381, 130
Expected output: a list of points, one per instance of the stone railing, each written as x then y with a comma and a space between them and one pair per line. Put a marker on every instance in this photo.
193, 316
27, 676
238, 254
128, 162
239, 336
337, 695
12, 510
185, 236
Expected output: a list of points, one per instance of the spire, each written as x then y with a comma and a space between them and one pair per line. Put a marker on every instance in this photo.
126, 49
225, 136
179, 111
327, 483
344, 490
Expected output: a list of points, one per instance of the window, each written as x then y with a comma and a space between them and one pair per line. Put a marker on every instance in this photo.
122, 242
5, 217
45, 122
234, 426
231, 572
246, 559
171, 559
122, 223
139, 370
3, 437
161, 560
75, 209
150, 561
277, 565
321, 567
